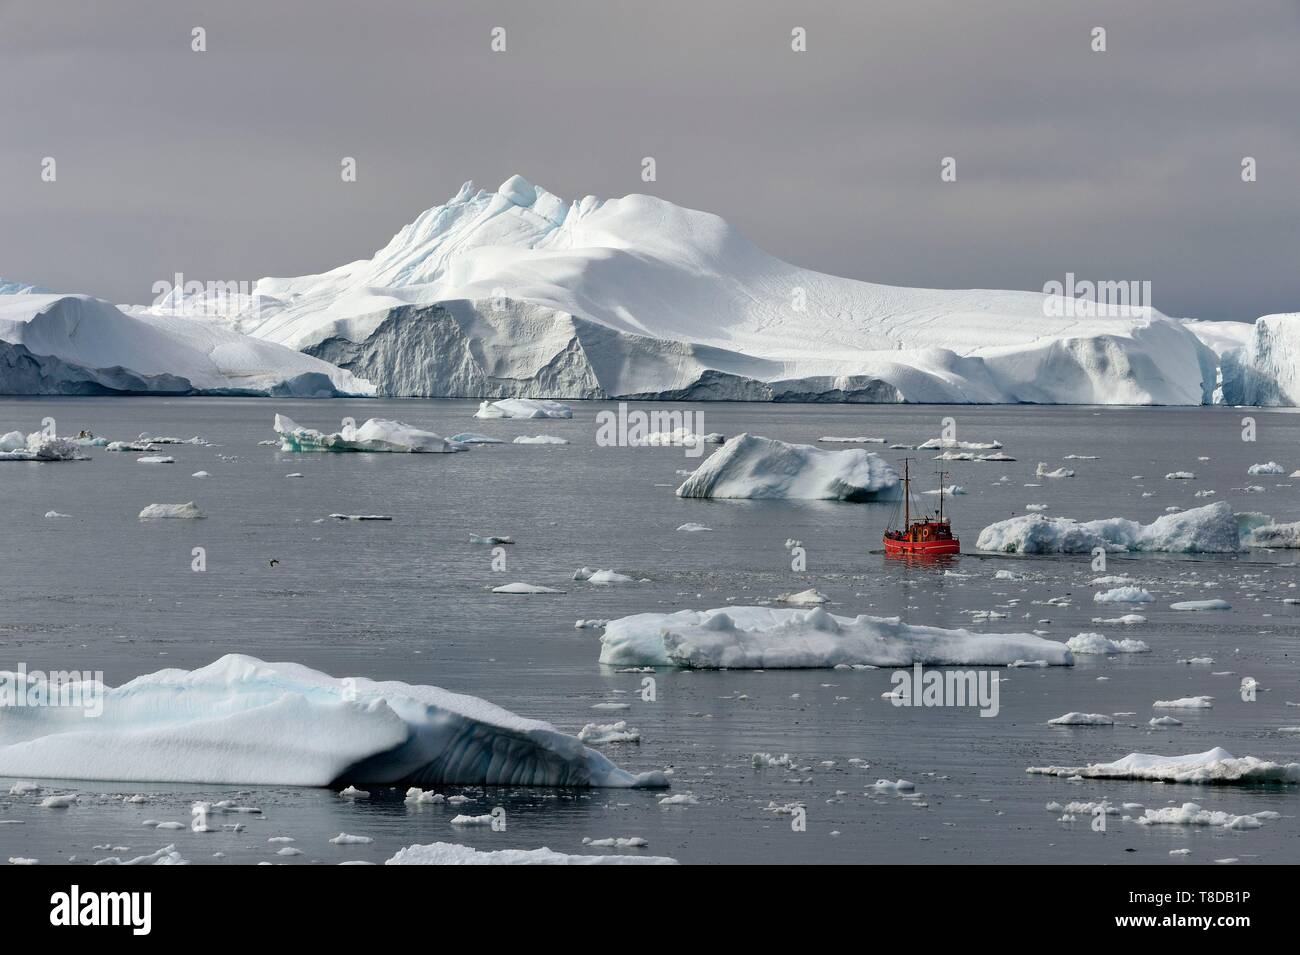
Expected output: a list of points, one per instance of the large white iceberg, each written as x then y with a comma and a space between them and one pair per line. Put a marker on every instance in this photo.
749, 466
775, 638
1212, 529
242, 721
377, 434
1213, 766
514, 292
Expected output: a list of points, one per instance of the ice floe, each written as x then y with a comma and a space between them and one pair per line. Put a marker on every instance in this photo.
1272, 467
1213, 766
377, 434
1096, 643
1215, 604
523, 408
770, 638
1191, 814
602, 576
749, 466
242, 721
187, 511
450, 853
1213, 528
539, 439
38, 446
523, 589
1082, 719
598, 734
1123, 595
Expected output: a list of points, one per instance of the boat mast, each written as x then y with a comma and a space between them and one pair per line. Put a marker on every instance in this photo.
907, 496
940, 497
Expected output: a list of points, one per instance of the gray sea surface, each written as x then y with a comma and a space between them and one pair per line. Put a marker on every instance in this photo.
409, 599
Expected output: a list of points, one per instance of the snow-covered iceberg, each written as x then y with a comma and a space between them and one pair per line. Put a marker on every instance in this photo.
1212, 529
776, 638
242, 721
377, 434
749, 466
1213, 766
55, 344
514, 292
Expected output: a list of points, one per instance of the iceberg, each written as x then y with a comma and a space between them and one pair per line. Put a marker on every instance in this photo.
39, 446
602, 576
1096, 643
57, 344
523, 408
1074, 718
240, 720
186, 511
1275, 535
1212, 529
740, 637
377, 434
450, 853
749, 466
1213, 766
514, 292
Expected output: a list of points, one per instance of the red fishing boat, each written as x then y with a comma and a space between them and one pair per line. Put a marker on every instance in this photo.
928, 537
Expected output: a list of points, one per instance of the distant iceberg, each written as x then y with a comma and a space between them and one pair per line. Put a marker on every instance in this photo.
775, 638
56, 344
377, 434
240, 721
749, 466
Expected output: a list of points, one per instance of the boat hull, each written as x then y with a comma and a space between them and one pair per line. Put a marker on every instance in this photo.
930, 548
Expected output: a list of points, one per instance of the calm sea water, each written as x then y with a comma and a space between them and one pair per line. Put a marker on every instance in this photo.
408, 600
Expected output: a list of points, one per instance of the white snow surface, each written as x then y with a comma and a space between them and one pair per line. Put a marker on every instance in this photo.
240, 720
740, 637
750, 466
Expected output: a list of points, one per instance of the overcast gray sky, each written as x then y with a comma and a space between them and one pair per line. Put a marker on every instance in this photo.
225, 164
